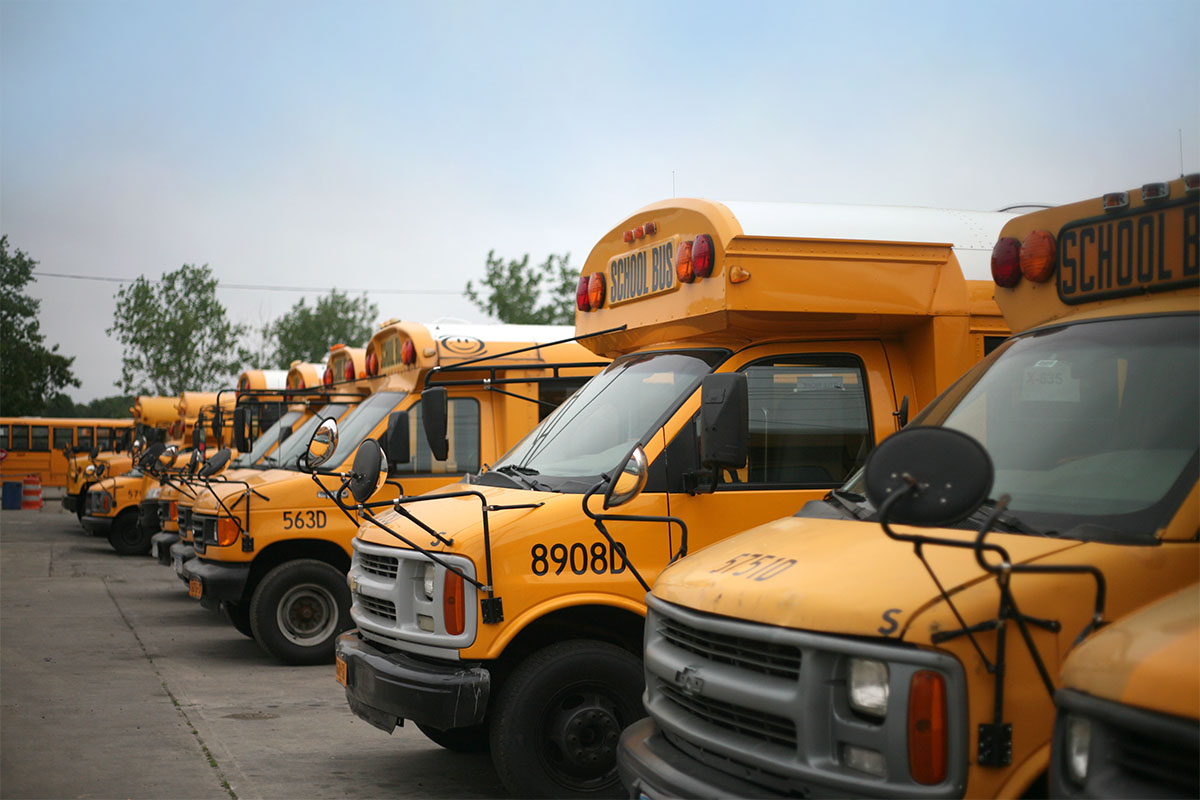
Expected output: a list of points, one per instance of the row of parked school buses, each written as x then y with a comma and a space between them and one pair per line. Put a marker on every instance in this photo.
692, 552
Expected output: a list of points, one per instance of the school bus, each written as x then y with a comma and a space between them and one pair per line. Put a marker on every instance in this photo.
44, 446
256, 393
306, 384
273, 550
902, 637
111, 506
151, 416
814, 329
1129, 705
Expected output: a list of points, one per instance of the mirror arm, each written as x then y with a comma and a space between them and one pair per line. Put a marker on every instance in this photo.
598, 521
487, 542
448, 567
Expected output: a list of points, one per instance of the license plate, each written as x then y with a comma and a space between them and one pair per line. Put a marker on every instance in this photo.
154, 549
642, 273
1151, 250
178, 561
195, 588
340, 666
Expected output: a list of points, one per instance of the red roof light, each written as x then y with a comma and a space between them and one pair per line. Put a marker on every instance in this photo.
702, 256
1006, 262
581, 294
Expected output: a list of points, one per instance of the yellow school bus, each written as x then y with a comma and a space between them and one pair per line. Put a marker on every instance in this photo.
260, 393
111, 506
810, 330
45, 446
280, 446
902, 637
1129, 707
273, 550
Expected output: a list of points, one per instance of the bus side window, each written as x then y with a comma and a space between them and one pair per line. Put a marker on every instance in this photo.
809, 422
63, 437
84, 437
4, 437
556, 391
20, 438
39, 441
463, 432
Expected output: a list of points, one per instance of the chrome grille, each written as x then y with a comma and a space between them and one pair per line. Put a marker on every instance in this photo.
780, 660
377, 606
1157, 761
384, 566
765, 727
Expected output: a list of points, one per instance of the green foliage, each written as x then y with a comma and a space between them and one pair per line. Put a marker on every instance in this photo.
113, 407
513, 292
306, 332
176, 336
30, 374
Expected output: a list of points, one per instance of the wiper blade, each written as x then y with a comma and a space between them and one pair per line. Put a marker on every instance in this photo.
518, 470
849, 502
1006, 520
522, 474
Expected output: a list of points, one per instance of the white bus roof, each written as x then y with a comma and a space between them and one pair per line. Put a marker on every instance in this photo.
518, 334
972, 234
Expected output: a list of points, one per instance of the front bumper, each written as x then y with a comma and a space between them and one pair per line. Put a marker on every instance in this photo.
97, 526
160, 546
386, 688
650, 766
219, 581
70, 502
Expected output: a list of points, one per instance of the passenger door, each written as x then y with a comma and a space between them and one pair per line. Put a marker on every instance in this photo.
815, 411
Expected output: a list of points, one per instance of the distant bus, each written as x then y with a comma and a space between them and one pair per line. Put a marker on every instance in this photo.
38, 445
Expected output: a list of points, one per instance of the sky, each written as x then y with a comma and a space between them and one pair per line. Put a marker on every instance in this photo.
388, 146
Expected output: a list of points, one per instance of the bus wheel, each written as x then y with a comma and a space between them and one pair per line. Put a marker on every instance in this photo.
238, 615
471, 739
126, 536
299, 609
557, 720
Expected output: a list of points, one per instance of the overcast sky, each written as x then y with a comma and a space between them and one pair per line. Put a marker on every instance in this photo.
390, 145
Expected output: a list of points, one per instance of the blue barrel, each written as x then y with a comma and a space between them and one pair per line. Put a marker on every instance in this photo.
11, 496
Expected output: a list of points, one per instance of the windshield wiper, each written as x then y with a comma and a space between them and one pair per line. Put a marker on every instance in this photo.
1007, 521
522, 475
849, 502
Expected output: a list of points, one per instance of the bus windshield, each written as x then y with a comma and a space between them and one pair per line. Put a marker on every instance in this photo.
594, 429
1091, 426
288, 453
263, 443
361, 421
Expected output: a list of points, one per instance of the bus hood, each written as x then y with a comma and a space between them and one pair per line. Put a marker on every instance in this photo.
262, 481
835, 576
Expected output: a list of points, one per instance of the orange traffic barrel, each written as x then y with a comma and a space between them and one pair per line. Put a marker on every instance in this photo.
31, 492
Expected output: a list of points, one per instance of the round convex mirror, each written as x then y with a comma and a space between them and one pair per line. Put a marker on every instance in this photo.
168, 456
629, 480
369, 471
953, 475
150, 455
323, 442
215, 464
135, 451
194, 461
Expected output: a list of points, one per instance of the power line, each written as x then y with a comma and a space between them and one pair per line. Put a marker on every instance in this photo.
253, 286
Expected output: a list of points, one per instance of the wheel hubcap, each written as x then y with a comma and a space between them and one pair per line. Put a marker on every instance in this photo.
307, 614
581, 737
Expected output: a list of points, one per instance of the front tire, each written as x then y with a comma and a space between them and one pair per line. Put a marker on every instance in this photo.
238, 615
126, 536
557, 720
299, 609
471, 739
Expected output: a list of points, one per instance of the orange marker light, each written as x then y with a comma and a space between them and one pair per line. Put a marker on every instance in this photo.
651, 228
1115, 201
683, 263
639, 232
453, 606
627, 236
927, 757
596, 290
1038, 256
227, 531
1006, 262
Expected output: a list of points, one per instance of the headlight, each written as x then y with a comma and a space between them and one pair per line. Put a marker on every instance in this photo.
1079, 740
867, 685
427, 583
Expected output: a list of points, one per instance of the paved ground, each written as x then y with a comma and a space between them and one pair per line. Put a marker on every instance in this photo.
114, 683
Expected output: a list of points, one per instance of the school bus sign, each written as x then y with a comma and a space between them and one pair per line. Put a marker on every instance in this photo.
643, 273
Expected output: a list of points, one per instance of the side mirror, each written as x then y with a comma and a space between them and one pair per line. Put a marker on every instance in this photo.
217, 423
724, 422
629, 480
395, 441
323, 442
901, 413
150, 456
241, 437
135, 451
948, 475
194, 462
434, 412
168, 456
215, 464
369, 471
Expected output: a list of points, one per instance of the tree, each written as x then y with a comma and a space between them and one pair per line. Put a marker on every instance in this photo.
306, 332
30, 374
514, 292
176, 336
